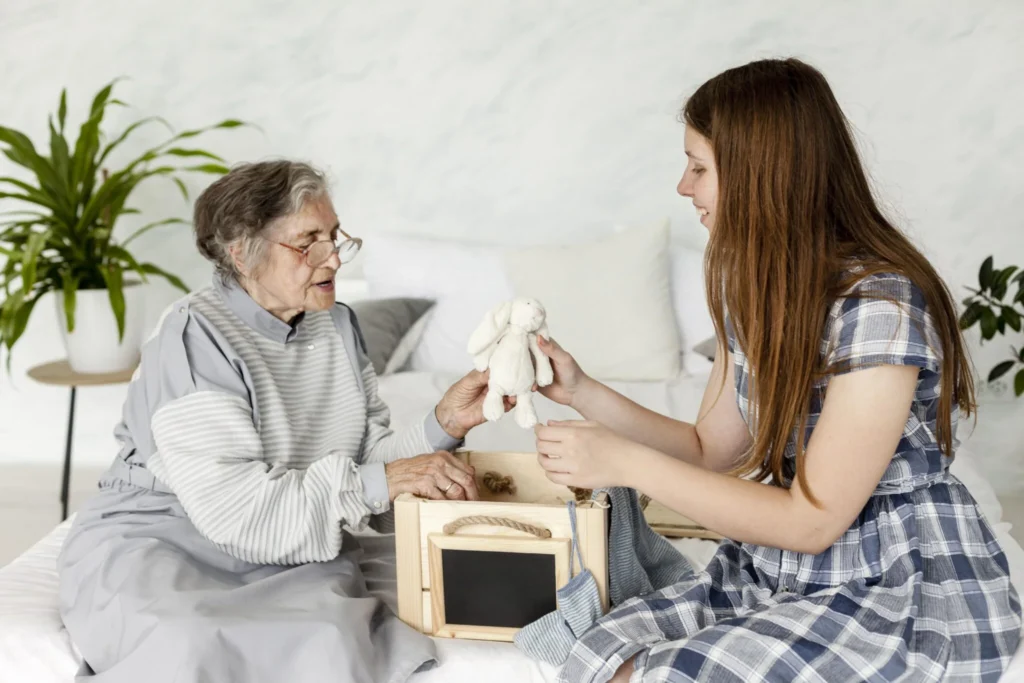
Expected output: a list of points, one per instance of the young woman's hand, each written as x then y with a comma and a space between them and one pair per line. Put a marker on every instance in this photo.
582, 453
569, 378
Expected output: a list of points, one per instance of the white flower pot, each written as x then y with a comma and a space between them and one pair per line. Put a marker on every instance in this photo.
93, 346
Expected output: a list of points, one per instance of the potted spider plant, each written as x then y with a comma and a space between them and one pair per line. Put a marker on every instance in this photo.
59, 235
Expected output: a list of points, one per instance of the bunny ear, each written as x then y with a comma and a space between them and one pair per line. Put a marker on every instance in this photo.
493, 324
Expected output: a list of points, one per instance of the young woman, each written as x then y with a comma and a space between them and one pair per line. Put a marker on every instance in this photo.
839, 380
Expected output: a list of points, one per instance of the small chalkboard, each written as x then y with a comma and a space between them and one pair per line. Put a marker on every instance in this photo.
491, 586
478, 587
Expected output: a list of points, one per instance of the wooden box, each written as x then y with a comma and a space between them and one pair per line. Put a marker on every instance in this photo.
496, 573
502, 572
672, 524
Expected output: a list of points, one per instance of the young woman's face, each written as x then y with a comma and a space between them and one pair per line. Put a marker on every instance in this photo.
700, 179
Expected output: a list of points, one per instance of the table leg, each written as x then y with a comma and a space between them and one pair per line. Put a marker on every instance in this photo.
66, 477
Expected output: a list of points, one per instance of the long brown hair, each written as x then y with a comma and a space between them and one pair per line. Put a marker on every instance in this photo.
796, 225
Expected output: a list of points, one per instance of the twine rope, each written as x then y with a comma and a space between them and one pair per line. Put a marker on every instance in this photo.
453, 526
498, 483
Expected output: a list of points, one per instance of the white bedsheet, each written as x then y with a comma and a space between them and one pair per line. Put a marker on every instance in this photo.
34, 647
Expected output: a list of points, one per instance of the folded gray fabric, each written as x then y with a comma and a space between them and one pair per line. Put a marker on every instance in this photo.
707, 348
639, 561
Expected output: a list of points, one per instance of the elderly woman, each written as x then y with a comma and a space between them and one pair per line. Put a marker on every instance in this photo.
252, 440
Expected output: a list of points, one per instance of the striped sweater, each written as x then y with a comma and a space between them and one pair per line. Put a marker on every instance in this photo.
271, 435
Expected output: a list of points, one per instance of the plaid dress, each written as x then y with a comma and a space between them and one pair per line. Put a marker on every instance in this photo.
918, 589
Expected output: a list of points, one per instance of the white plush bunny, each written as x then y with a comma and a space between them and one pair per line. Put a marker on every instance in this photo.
504, 342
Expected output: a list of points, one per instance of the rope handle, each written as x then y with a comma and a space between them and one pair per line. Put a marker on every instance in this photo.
452, 527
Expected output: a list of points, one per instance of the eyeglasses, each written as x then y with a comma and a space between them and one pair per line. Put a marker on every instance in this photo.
317, 254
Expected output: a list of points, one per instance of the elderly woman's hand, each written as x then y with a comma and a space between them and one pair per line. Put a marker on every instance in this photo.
439, 476
462, 406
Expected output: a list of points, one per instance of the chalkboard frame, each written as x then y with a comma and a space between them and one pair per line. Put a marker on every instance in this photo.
558, 547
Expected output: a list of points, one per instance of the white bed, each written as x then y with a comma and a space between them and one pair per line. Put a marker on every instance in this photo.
35, 647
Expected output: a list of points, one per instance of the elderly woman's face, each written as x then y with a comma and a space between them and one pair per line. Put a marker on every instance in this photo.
287, 285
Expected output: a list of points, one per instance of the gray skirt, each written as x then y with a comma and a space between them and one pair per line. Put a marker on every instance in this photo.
145, 597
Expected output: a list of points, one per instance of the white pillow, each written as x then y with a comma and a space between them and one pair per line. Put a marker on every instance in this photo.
609, 302
466, 281
688, 299
965, 468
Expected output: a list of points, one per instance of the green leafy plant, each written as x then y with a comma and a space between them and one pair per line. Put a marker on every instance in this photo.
61, 236
989, 307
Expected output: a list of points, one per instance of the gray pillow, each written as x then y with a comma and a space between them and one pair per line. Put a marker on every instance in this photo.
385, 322
707, 348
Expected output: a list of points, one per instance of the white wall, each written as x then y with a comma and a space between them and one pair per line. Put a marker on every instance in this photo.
513, 121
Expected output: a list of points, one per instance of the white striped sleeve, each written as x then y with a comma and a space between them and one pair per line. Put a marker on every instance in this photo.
209, 453
385, 445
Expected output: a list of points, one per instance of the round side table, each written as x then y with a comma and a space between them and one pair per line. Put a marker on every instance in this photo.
59, 373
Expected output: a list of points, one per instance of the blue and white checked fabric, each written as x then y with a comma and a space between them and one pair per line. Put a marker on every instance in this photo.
918, 589
639, 562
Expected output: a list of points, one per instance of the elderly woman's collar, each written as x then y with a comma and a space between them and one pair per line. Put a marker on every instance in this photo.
254, 315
